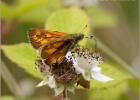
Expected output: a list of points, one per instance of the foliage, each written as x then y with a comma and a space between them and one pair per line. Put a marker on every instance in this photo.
24, 55
70, 20
29, 10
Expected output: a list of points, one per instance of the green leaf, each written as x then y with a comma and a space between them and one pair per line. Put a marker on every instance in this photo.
134, 84
30, 10
5, 11
114, 71
25, 6
39, 14
110, 93
23, 55
71, 20
113, 89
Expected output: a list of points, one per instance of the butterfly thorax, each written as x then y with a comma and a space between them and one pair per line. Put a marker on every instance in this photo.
78, 36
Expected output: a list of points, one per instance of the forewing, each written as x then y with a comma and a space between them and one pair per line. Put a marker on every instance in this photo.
39, 37
56, 50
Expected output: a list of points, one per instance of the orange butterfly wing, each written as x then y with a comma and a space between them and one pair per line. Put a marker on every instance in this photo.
39, 37
56, 50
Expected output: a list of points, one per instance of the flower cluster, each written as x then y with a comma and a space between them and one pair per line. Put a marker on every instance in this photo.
78, 67
87, 63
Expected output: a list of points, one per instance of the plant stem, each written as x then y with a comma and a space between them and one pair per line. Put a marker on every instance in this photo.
65, 94
110, 53
10, 81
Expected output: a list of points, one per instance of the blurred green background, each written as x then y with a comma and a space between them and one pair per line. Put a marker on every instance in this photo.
113, 22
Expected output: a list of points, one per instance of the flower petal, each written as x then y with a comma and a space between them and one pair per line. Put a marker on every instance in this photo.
59, 89
101, 77
43, 82
97, 75
82, 62
78, 62
75, 64
51, 82
96, 69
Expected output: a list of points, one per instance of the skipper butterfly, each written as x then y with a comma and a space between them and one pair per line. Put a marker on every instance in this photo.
53, 45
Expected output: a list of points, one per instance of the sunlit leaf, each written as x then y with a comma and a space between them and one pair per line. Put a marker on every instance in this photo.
23, 55
108, 93
39, 14
114, 71
71, 20
30, 10
134, 84
110, 90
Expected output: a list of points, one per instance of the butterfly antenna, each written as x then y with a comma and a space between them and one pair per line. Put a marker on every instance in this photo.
90, 37
95, 40
83, 28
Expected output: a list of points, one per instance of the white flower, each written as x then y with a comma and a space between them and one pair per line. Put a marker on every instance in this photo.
97, 75
50, 81
43, 82
87, 65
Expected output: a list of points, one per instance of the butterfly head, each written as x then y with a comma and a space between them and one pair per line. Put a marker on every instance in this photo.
78, 37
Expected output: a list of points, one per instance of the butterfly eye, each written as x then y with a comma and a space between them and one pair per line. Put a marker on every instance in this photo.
95, 40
